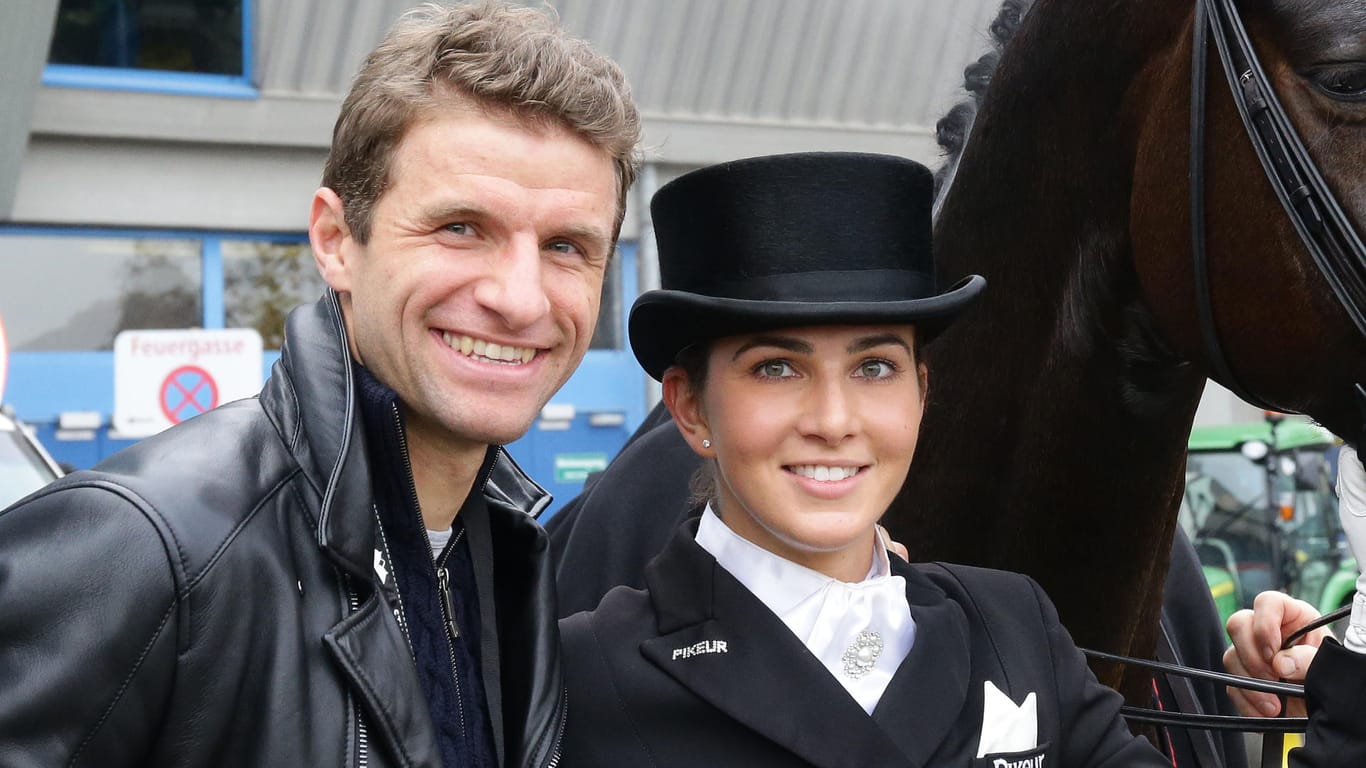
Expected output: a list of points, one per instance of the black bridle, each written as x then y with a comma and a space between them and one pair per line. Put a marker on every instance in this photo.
1337, 252
1313, 209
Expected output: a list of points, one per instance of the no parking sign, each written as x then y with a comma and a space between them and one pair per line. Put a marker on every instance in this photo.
162, 378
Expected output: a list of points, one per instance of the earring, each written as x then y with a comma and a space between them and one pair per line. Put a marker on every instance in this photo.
706, 443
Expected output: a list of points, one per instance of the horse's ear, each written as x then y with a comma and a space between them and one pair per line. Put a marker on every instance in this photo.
684, 402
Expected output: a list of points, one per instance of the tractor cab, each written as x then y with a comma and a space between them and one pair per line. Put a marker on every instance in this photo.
1260, 508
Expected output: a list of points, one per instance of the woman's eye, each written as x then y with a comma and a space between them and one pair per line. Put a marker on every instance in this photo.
876, 369
1342, 82
775, 369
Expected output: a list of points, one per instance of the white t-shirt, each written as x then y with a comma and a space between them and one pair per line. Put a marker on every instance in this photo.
439, 540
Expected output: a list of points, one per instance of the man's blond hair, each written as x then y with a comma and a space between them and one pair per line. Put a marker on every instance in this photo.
500, 57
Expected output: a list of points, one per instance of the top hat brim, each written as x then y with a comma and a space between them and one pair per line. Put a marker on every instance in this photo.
664, 322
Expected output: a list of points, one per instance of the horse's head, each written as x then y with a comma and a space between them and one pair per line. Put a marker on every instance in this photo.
1055, 444
1284, 334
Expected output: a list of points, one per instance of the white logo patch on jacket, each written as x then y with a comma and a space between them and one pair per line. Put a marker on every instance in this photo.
697, 649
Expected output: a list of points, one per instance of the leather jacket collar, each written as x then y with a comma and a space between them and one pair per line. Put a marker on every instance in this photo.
312, 394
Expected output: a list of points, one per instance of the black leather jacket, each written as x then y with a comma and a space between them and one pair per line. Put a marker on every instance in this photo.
207, 597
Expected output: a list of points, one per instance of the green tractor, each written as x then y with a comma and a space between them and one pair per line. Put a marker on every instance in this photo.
1260, 508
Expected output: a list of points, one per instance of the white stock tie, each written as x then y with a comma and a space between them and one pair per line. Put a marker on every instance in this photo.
860, 632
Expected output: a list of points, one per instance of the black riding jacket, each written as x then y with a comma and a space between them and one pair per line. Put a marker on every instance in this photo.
209, 596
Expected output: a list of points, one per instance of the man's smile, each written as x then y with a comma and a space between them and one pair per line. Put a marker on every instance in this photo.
488, 351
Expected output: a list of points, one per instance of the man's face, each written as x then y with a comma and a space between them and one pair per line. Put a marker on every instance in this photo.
478, 291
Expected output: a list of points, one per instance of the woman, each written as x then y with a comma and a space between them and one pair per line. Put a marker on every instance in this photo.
776, 630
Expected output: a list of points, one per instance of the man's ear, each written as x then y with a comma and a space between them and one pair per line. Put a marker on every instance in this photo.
685, 403
330, 238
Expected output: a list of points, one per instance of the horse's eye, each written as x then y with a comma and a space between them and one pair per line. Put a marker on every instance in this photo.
1346, 82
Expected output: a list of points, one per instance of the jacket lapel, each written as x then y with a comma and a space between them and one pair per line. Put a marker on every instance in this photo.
926, 696
312, 387
521, 644
374, 658
720, 642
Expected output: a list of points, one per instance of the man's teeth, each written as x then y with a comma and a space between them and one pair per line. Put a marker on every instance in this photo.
501, 353
824, 474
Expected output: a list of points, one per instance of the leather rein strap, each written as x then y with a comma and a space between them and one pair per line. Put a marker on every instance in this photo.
1202, 720
1313, 209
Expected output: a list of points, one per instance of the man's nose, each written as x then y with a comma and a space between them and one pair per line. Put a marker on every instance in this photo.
514, 289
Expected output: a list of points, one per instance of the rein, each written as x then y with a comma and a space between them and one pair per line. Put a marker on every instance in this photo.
1273, 729
1312, 207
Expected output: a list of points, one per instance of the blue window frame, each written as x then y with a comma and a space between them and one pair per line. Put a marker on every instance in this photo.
161, 47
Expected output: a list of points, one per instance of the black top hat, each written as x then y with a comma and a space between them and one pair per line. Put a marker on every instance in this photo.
790, 240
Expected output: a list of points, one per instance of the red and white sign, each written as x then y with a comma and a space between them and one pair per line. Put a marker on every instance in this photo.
187, 392
162, 378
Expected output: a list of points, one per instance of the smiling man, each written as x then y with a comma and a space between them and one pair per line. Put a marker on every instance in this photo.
345, 570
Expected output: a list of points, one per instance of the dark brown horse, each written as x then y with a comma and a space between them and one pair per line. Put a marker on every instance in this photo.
1075, 382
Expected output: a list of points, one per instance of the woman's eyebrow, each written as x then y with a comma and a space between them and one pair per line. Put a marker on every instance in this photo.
868, 342
781, 342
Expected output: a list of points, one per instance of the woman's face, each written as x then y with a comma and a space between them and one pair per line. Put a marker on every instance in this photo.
812, 430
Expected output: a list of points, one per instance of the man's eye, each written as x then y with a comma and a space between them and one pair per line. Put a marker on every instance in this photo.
460, 229
876, 369
563, 246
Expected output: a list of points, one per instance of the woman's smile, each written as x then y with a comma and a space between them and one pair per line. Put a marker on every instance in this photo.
824, 473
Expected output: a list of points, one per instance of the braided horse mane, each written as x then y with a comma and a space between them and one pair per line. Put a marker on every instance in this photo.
1148, 359
952, 130
1061, 382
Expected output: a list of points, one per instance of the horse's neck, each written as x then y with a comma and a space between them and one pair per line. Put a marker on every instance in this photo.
1055, 435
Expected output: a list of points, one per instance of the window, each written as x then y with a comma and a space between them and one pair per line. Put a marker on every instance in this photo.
203, 36
176, 46
263, 281
77, 293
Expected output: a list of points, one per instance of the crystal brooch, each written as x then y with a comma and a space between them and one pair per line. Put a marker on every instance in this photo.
862, 654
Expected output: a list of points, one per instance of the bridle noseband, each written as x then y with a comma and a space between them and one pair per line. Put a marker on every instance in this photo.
1313, 209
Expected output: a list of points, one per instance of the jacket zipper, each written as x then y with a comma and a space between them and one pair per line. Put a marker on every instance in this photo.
443, 582
559, 729
442, 576
362, 740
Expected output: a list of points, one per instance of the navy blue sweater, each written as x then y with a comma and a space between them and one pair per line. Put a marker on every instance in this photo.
448, 668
